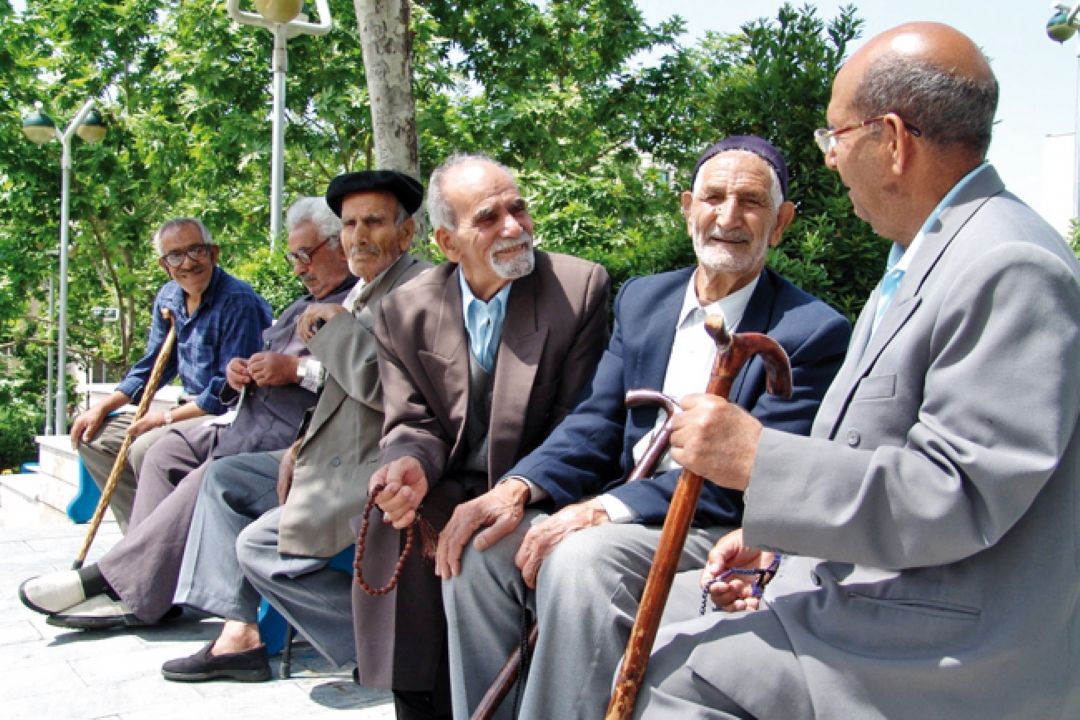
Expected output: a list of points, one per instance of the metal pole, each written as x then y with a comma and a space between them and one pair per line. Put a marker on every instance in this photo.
277, 163
49, 362
61, 342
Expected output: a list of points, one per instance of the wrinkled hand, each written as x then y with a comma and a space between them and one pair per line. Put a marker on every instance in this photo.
86, 426
499, 510
236, 374
146, 423
406, 486
311, 319
271, 368
545, 535
285, 472
715, 439
736, 592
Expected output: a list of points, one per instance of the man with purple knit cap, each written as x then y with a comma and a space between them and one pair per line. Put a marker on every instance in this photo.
563, 537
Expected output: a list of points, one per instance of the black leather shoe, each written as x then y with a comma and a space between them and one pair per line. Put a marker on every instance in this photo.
248, 666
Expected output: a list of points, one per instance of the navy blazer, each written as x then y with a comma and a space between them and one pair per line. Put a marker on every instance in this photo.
591, 450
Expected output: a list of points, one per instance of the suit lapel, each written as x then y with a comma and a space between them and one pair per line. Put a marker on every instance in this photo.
448, 360
520, 349
937, 240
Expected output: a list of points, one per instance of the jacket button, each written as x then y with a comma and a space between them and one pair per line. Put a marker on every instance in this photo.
814, 578
335, 462
853, 438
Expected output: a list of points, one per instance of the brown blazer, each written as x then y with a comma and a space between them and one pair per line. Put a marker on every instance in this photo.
553, 335
340, 447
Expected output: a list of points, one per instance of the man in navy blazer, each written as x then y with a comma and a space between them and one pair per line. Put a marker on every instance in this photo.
582, 569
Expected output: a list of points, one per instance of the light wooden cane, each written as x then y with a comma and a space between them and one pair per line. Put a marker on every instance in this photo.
121, 455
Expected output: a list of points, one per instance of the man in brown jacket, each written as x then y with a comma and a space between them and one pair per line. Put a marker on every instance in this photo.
480, 358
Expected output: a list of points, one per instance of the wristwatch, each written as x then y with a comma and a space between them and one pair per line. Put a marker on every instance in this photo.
168, 417
301, 369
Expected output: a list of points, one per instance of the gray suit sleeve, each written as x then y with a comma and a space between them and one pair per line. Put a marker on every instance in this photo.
983, 409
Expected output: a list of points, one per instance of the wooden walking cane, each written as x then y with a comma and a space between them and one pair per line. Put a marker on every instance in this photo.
121, 455
508, 673
733, 351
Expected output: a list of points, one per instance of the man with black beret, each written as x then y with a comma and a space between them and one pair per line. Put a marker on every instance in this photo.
581, 570
287, 513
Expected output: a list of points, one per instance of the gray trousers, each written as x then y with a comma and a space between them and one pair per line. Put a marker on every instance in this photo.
237, 509
99, 456
587, 596
142, 568
722, 666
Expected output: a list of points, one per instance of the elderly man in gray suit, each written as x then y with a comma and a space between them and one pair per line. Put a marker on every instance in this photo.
133, 583
480, 359
928, 527
282, 552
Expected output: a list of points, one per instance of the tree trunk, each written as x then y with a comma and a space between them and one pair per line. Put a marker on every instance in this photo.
387, 47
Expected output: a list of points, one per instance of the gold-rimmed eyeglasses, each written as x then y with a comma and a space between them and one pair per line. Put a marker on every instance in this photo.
826, 138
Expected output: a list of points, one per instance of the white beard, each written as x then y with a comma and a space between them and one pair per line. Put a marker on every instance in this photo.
516, 267
730, 259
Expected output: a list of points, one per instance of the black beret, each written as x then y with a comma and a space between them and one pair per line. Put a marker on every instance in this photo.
407, 189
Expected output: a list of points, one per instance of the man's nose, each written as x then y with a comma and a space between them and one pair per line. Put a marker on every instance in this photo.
511, 227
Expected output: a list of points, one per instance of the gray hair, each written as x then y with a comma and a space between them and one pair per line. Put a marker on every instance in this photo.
176, 223
315, 210
776, 193
439, 211
949, 109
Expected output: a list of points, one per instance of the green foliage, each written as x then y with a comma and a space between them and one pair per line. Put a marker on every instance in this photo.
1074, 236
603, 145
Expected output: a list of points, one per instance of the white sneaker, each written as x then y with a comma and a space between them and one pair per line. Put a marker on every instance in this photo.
52, 593
96, 613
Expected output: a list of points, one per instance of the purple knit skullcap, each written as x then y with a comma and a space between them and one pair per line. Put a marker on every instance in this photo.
750, 143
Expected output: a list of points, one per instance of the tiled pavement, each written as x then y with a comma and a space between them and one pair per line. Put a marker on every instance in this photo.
48, 672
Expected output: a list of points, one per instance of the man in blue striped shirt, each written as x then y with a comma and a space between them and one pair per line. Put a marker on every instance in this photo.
217, 316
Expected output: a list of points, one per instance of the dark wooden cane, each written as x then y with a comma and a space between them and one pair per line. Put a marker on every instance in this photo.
121, 455
508, 673
733, 351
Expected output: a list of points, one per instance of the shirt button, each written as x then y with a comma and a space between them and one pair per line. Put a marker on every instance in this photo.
814, 578
335, 462
853, 438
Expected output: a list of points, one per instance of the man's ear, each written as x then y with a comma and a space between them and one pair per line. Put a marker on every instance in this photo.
215, 251
784, 216
685, 199
405, 234
900, 146
445, 240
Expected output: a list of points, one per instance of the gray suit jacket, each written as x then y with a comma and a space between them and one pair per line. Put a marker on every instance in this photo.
941, 482
552, 338
340, 447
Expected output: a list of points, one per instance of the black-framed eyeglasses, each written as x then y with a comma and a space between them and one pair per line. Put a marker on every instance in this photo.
304, 255
175, 258
826, 138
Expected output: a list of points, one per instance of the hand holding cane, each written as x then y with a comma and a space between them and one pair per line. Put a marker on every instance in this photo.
511, 669
121, 455
733, 351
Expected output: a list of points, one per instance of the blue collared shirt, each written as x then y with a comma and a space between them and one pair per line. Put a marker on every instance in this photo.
483, 321
229, 323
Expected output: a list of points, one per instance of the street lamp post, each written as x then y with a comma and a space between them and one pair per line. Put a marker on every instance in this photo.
39, 128
279, 17
1060, 27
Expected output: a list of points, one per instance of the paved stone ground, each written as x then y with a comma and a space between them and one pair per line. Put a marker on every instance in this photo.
53, 673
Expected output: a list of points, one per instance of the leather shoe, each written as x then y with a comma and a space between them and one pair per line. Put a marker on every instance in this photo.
98, 613
248, 666
52, 593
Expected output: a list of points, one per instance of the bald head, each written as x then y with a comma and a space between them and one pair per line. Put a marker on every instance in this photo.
932, 76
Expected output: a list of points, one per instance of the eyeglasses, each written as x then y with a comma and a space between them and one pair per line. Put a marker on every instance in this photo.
304, 255
175, 258
826, 139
